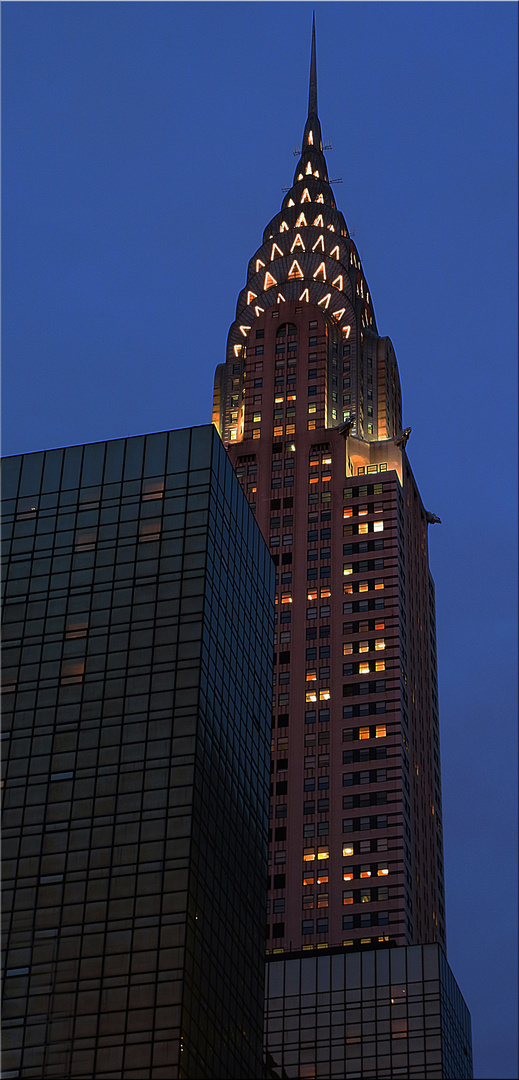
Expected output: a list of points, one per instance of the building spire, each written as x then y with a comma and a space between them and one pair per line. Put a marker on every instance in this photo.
312, 91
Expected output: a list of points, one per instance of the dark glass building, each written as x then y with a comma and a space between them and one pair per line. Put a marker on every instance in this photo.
377, 1013
138, 622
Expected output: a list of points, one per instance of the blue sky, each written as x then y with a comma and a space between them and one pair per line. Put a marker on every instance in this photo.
145, 147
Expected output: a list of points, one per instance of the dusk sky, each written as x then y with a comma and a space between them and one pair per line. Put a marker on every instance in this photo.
145, 148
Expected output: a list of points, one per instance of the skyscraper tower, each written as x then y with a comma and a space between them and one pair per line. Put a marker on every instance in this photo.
309, 405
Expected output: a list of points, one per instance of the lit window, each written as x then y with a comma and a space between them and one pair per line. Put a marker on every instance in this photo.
257, 418
312, 594
347, 512
311, 425
347, 648
380, 665
322, 900
297, 243
275, 253
335, 254
311, 676
300, 221
347, 896
286, 598
365, 871
313, 479
321, 271
323, 853
363, 527
295, 270
278, 431
347, 849
308, 877
324, 695
348, 589
380, 626
283, 228
319, 221
363, 586
380, 731
308, 902
380, 643
311, 695
322, 879
319, 243
347, 874
325, 591
72, 671
256, 433
378, 526
364, 733
309, 854
364, 668
320, 198
379, 584
382, 871
312, 408
347, 568
364, 646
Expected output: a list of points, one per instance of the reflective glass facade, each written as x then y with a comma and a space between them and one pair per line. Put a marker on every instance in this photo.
137, 670
378, 1013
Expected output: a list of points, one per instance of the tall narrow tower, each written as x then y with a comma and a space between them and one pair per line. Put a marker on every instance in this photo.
309, 405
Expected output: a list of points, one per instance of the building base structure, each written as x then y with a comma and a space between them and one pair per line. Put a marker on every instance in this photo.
382, 1012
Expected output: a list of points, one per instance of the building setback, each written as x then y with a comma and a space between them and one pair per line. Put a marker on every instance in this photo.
137, 669
309, 406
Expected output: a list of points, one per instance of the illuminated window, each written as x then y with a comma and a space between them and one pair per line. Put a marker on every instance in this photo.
347, 850
363, 527
311, 425
312, 408
319, 221
311, 676
324, 695
280, 299
323, 853
269, 281
347, 896
364, 646
380, 643
322, 900
275, 253
347, 569
256, 433
347, 873
72, 671
321, 270
378, 526
300, 221
308, 877
364, 668
380, 665
335, 254
153, 489
382, 871
310, 139
308, 169
338, 282
295, 270
347, 589
364, 733
320, 198
297, 243
365, 871
308, 902
325, 591
257, 418
291, 201
347, 512
305, 197
259, 263
325, 300
309, 854
286, 598
331, 228
347, 648
251, 296
380, 626
278, 431
363, 586
290, 430
311, 695
380, 731
283, 228
319, 243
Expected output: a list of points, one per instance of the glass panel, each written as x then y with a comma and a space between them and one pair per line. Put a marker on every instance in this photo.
292, 977
368, 969
323, 974
397, 965
155, 459
52, 470
114, 461
10, 477
430, 962
201, 447
353, 970
71, 467
382, 961
414, 963
178, 450
93, 461
338, 972
133, 459
32, 467
308, 974
276, 972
